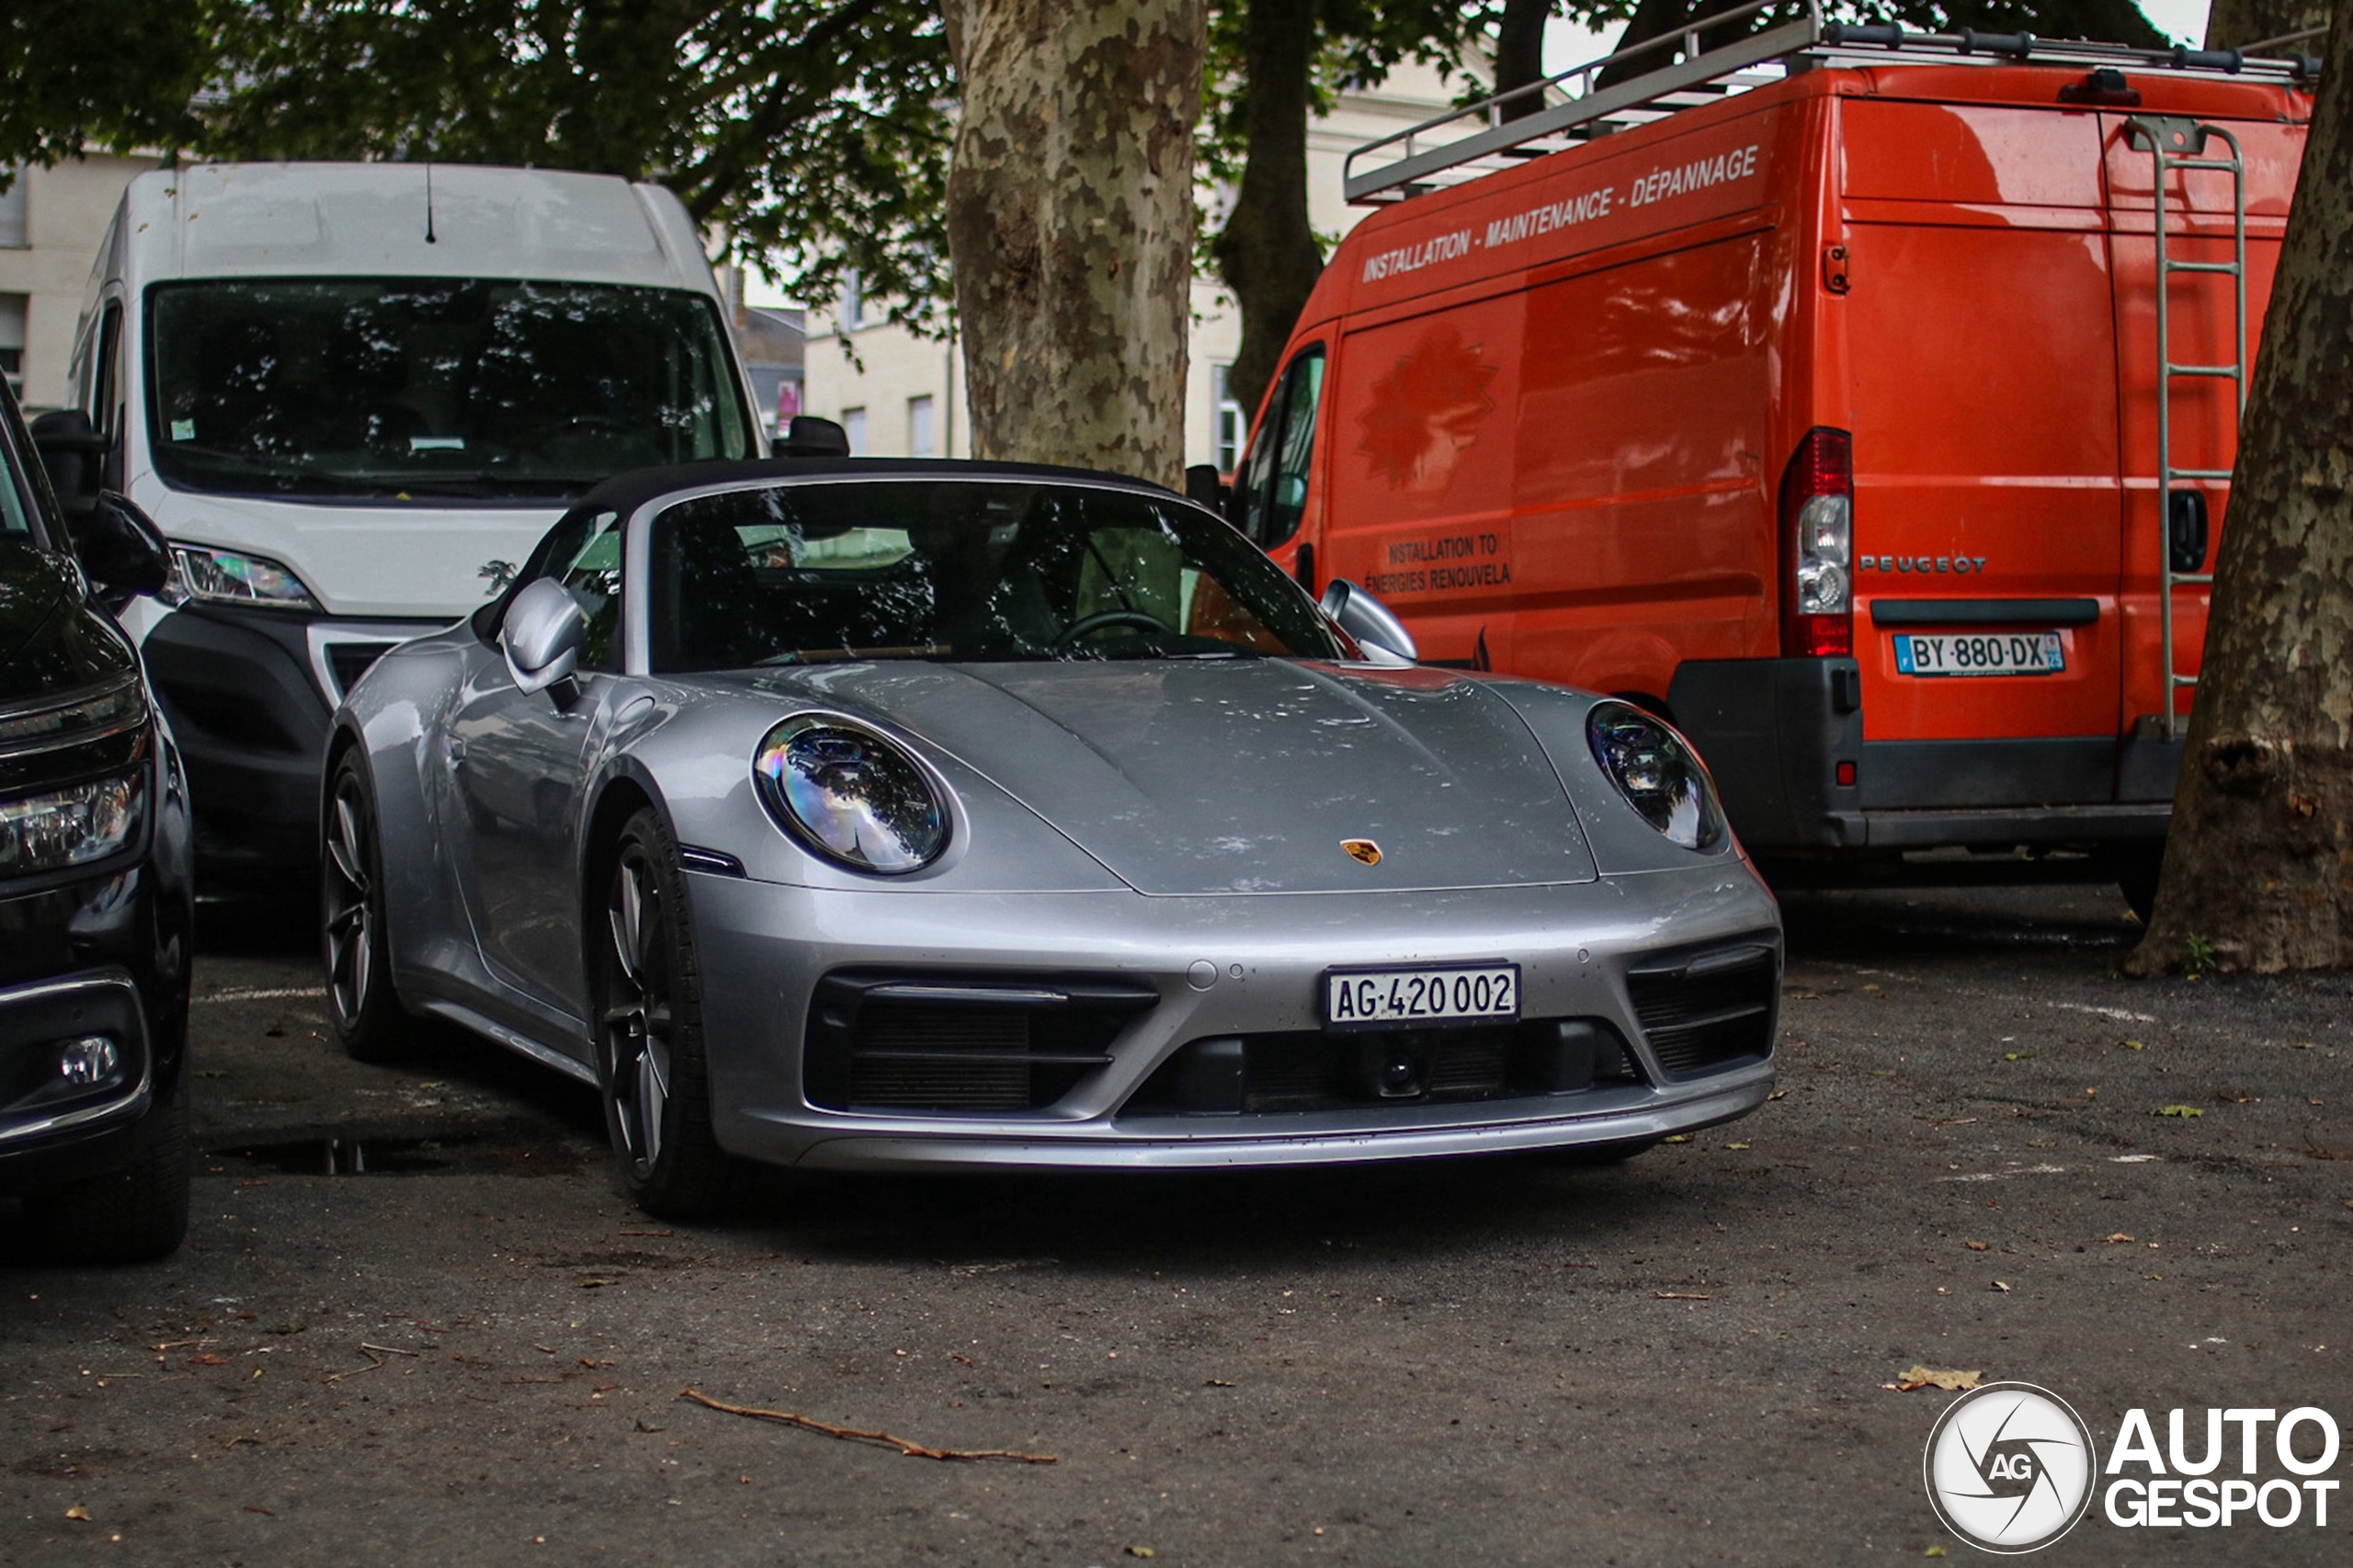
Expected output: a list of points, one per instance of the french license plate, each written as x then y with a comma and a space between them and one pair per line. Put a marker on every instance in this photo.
1401, 999
1982, 653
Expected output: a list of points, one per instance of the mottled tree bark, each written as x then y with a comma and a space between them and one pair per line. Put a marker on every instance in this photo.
2234, 23
1520, 51
2259, 863
1070, 222
1266, 253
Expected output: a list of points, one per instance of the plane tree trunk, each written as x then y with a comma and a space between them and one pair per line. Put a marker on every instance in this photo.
2259, 865
1519, 52
1070, 224
1266, 253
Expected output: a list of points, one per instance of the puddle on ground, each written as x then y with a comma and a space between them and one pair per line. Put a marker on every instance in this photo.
463, 1154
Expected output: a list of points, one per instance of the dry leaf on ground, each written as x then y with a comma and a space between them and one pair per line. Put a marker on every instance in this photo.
2177, 1110
1931, 1377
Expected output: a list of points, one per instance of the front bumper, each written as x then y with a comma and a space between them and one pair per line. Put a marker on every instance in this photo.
762, 950
98, 951
249, 693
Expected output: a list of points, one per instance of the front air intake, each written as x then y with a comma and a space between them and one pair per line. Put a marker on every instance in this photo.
951, 1045
1709, 1009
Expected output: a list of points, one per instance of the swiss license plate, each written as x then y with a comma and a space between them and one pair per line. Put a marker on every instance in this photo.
1981, 654
1402, 998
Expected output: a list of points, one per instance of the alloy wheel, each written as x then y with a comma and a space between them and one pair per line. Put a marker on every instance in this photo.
350, 920
637, 1017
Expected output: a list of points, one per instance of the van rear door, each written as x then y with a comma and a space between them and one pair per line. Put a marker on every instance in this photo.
1982, 369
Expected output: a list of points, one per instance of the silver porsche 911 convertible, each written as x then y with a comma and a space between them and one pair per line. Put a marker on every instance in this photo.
929, 814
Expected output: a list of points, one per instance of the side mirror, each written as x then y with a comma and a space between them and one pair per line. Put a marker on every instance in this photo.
1373, 624
1205, 484
541, 637
810, 437
121, 551
71, 449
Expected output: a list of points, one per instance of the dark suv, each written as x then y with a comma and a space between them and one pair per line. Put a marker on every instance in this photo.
95, 900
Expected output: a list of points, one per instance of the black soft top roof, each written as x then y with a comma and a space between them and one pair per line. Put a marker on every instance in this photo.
624, 492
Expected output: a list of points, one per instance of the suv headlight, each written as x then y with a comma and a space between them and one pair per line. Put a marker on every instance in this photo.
850, 795
71, 826
1658, 774
230, 576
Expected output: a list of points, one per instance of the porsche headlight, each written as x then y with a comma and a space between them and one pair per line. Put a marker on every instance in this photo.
1658, 774
69, 826
850, 795
230, 576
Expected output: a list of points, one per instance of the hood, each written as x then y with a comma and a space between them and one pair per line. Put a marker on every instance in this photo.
1244, 775
362, 560
50, 642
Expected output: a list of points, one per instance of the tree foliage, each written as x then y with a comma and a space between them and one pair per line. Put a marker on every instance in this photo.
109, 74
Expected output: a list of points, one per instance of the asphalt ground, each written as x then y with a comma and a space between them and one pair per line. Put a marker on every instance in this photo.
475, 1350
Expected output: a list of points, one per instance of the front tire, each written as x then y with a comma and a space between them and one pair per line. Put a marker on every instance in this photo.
650, 1062
362, 1009
133, 1215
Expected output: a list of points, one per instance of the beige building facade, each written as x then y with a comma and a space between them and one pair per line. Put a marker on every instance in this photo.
904, 395
52, 221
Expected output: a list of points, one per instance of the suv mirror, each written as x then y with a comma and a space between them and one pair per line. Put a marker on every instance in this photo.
122, 550
541, 637
71, 449
1373, 624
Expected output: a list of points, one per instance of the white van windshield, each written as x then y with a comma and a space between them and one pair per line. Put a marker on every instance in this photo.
425, 389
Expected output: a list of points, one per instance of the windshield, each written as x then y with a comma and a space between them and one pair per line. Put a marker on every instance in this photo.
420, 388
963, 569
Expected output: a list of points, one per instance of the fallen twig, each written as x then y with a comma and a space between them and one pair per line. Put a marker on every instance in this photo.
853, 1435
1679, 1296
389, 1350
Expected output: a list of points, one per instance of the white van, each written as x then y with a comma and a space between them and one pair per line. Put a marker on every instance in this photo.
354, 395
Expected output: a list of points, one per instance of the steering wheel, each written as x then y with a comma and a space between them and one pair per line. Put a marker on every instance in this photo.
1088, 625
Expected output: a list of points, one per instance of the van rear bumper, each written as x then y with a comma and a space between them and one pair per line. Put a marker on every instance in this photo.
1775, 731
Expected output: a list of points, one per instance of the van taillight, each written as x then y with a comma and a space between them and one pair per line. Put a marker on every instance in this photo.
1817, 545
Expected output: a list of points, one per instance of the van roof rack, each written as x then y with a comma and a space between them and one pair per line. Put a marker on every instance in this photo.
1680, 71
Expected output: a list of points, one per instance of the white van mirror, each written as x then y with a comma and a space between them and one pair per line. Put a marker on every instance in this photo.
1373, 624
540, 636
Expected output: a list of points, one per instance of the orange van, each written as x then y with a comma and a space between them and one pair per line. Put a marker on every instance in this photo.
1818, 409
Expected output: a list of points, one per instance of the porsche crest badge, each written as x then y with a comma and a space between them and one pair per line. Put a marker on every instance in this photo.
1363, 851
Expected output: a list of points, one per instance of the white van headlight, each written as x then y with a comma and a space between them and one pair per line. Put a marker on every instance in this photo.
230, 576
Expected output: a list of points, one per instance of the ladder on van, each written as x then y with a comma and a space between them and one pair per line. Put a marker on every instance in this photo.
2179, 145
1713, 57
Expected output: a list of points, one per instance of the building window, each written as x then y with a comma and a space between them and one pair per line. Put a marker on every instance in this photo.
853, 313
1227, 422
923, 438
12, 341
853, 425
15, 223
